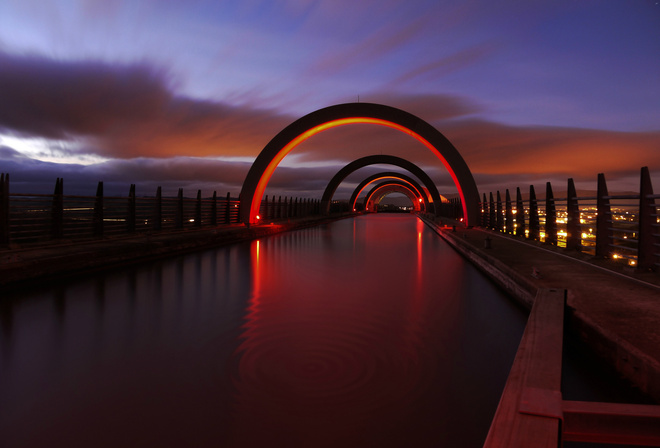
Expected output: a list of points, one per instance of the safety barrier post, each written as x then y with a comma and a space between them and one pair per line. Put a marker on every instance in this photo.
550, 216
500, 216
130, 218
98, 211
508, 213
198, 209
158, 210
648, 240
265, 214
228, 209
214, 209
4, 209
57, 210
492, 223
604, 235
484, 211
520, 214
178, 217
534, 225
573, 229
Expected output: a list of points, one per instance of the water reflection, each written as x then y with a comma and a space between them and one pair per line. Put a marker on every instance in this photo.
350, 339
366, 332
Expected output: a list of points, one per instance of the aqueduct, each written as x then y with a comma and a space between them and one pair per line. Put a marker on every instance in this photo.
349, 113
420, 192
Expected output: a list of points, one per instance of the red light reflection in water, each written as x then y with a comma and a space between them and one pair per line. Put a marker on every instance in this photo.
326, 361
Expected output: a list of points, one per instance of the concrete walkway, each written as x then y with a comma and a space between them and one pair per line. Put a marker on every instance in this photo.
615, 309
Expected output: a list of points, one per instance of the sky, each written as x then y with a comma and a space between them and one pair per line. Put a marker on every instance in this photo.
186, 94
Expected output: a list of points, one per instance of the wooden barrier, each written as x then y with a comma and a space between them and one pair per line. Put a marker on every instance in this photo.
537, 370
532, 412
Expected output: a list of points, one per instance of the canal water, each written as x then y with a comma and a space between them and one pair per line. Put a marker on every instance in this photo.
367, 332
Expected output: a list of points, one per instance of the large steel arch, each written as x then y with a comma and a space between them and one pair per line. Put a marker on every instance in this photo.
389, 175
376, 160
376, 194
342, 114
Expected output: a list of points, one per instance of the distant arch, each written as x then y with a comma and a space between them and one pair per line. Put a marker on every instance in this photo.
421, 193
376, 194
383, 159
342, 114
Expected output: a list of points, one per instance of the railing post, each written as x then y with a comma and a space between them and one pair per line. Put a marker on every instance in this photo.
198, 209
228, 209
158, 210
265, 214
178, 218
279, 208
130, 216
98, 211
520, 214
289, 210
500, 216
573, 229
647, 239
492, 223
295, 208
550, 216
508, 213
534, 225
4, 209
484, 211
214, 209
604, 237
57, 211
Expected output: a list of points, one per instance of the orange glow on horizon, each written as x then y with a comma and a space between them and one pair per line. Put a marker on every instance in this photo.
270, 169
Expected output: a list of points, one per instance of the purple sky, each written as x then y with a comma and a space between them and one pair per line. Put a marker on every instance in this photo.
186, 94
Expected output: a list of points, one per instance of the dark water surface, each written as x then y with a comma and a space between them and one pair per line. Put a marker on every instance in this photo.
368, 332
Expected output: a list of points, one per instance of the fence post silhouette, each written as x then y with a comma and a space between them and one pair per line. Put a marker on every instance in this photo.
534, 225
573, 229
158, 210
4, 209
508, 213
550, 216
520, 214
214, 209
228, 209
130, 218
57, 211
198, 209
647, 212
500, 215
604, 234
98, 211
491, 213
178, 217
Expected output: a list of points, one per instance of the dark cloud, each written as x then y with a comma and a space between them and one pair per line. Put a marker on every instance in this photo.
130, 113
58, 99
124, 110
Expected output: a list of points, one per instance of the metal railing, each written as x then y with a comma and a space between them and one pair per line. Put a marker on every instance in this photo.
620, 227
28, 219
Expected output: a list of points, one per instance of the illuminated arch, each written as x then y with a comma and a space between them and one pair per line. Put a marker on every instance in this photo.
355, 165
381, 190
422, 193
341, 114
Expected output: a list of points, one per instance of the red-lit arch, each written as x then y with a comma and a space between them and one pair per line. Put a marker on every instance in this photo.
342, 114
382, 159
419, 191
383, 189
